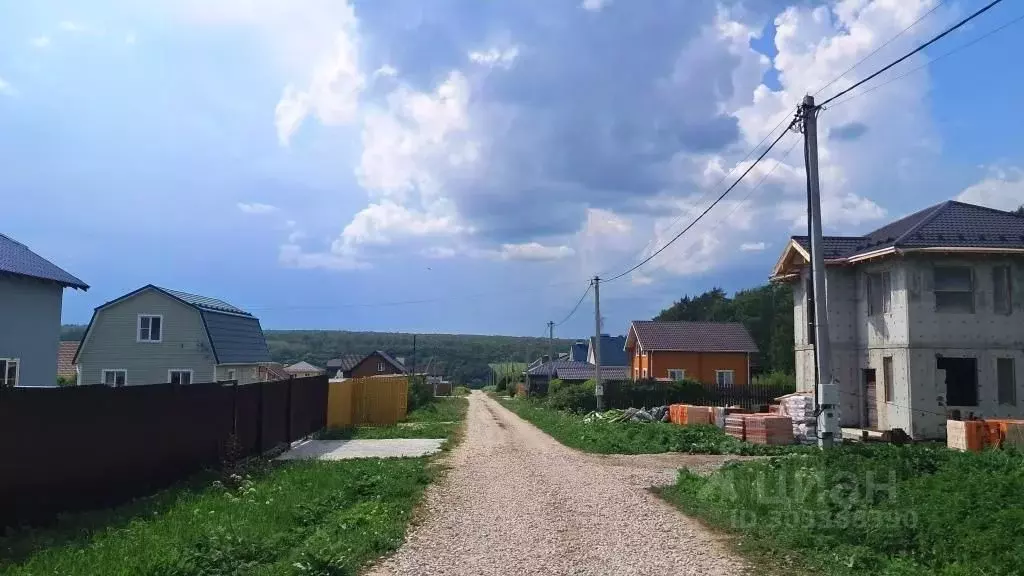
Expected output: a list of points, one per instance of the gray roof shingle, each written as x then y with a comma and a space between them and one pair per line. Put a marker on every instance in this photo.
656, 335
575, 370
613, 350
945, 225
236, 339
346, 362
16, 258
204, 302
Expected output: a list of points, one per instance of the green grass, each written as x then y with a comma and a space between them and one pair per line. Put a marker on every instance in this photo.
300, 518
442, 418
635, 437
866, 510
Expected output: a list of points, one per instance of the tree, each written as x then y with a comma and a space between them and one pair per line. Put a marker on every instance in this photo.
1019, 211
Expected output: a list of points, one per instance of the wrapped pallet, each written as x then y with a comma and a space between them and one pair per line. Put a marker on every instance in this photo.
718, 416
1014, 434
769, 429
800, 408
675, 413
696, 415
965, 435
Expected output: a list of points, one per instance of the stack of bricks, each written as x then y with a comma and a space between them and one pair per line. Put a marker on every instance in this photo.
769, 429
696, 415
736, 426
676, 413
975, 435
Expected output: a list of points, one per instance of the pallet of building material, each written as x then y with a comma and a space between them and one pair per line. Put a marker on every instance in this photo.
696, 415
965, 435
999, 430
675, 413
718, 416
1013, 435
769, 429
736, 426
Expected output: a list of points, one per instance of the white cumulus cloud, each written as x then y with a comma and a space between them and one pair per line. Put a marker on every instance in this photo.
256, 208
40, 41
496, 57
1002, 189
534, 251
752, 246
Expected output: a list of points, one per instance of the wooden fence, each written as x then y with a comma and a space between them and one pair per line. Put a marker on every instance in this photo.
376, 400
83, 447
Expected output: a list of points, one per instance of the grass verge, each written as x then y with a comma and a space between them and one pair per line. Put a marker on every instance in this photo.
868, 510
635, 437
299, 518
441, 418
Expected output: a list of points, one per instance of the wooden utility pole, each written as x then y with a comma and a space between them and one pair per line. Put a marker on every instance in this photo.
598, 384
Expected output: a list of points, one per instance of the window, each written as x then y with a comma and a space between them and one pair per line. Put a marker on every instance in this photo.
150, 328
644, 371
182, 377
8, 372
231, 374
1002, 288
725, 377
380, 366
954, 289
887, 376
115, 377
677, 374
879, 290
961, 380
1007, 380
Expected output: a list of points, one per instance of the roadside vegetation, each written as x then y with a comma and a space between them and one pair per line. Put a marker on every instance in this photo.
633, 437
298, 518
437, 418
863, 510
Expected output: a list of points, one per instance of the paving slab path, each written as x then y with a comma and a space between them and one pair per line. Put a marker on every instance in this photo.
347, 449
517, 502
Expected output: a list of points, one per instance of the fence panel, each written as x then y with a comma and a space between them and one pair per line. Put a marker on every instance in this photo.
753, 397
91, 446
368, 401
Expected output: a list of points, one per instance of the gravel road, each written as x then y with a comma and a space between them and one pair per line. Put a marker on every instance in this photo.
517, 502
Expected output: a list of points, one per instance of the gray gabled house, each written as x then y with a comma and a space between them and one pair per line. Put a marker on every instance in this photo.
31, 296
155, 335
926, 318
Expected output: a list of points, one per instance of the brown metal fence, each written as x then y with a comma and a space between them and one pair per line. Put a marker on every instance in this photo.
754, 396
90, 446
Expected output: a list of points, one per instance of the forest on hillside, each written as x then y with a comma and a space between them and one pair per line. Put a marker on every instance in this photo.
766, 311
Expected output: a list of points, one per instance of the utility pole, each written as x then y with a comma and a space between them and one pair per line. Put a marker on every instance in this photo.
412, 373
551, 351
598, 384
828, 391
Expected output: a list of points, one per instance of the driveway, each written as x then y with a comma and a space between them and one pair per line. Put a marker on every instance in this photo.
517, 502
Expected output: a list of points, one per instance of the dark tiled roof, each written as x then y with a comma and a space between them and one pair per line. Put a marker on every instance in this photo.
16, 258
693, 336
346, 362
236, 339
578, 351
613, 350
945, 225
575, 370
66, 358
203, 302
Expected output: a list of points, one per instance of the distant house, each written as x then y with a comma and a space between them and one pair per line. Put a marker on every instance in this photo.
303, 369
66, 360
709, 352
570, 371
926, 315
31, 296
342, 367
613, 351
578, 351
377, 363
154, 335
271, 372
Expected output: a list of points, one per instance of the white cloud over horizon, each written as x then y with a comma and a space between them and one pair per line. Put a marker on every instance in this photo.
1003, 189
256, 208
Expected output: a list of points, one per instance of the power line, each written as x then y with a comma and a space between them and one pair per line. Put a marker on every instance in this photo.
934, 39
706, 210
577, 306
930, 62
876, 50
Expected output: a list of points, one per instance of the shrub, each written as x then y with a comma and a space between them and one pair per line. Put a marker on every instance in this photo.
490, 388
578, 397
420, 393
780, 380
460, 391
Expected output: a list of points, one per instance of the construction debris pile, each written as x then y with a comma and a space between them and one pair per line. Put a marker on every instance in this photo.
656, 414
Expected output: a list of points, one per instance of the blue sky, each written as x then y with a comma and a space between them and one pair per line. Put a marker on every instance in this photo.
315, 160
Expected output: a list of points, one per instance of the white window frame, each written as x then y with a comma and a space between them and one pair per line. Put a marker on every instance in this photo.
380, 366
138, 329
191, 375
732, 377
17, 372
103, 377
680, 371
231, 373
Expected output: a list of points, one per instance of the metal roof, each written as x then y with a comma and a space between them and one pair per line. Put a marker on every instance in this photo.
346, 362
302, 366
613, 350
654, 335
16, 258
236, 339
575, 370
391, 360
950, 224
578, 351
204, 302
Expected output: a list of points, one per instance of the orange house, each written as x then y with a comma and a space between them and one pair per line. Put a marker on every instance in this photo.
709, 352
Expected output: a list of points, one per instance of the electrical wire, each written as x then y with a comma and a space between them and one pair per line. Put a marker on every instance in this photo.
930, 62
934, 39
876, 50
706, 210
577, 306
